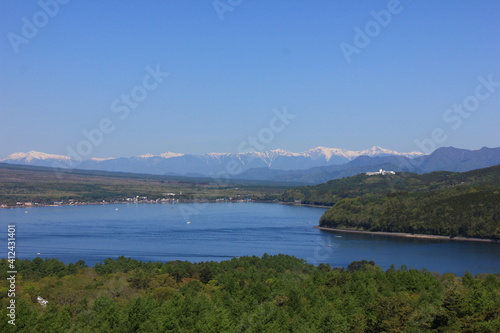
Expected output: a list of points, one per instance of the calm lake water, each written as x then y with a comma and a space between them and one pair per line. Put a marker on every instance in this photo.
219, 231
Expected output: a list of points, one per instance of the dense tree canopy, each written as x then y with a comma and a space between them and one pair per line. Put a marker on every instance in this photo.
466, 212
335, 190
440, 203
251, 294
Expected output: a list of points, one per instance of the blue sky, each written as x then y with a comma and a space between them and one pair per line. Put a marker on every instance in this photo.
225, 77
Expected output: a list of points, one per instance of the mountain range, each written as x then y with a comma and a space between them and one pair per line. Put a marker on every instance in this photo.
206, 164
316, 165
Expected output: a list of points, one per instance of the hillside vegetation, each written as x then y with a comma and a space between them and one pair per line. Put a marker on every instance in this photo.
440, 203
42, 185
248, 294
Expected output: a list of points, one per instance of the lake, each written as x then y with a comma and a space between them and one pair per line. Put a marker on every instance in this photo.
220, 231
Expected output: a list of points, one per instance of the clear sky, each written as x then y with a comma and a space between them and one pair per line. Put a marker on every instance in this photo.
350, 81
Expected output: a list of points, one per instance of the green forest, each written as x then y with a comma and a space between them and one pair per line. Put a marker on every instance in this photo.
247, 294
438, 203
331, 192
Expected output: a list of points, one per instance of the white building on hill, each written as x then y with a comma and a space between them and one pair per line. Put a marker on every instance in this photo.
380, 172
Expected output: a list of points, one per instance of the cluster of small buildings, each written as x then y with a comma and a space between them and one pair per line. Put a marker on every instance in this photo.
231, 199
380, 172
167, 198
26, 204
143, 199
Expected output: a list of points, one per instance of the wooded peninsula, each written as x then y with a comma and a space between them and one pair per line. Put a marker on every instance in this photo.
439, 203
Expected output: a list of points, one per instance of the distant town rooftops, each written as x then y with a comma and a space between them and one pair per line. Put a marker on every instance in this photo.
380, 172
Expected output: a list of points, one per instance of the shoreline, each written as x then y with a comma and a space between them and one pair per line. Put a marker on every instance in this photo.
152, 202
304, 205
407, 235
176, 201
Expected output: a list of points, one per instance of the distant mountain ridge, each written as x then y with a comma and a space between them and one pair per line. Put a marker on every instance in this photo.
205, 164
313, 166
442, 159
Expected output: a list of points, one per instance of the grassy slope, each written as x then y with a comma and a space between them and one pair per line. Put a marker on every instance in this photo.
44, 186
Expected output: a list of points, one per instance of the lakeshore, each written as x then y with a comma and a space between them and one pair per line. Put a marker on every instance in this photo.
408, 235
161, 201
303, 205
141, 202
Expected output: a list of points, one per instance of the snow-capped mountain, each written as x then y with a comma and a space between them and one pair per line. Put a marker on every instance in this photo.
207, 164
442, 159
328, 153
164, 155
35, 158
34, 155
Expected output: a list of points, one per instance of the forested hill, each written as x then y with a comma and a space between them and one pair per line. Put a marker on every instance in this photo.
439, 203
248, 294
335, 190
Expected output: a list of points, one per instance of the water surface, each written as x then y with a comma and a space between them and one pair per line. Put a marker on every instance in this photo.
219, 231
